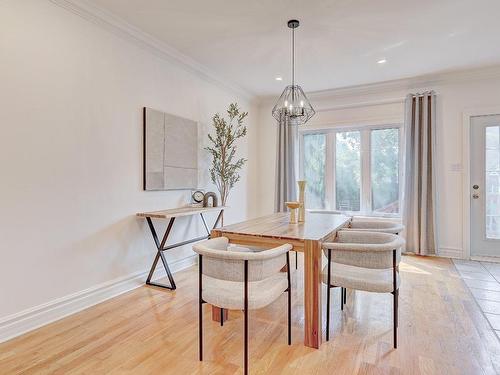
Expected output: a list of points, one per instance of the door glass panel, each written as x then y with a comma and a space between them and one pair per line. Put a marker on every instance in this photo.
385, 170
314, 169
348, 170
492, 188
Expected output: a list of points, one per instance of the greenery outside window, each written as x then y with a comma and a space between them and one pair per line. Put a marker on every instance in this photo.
354, 169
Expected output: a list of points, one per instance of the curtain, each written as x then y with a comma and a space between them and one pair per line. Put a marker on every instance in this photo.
419, 207
286, 163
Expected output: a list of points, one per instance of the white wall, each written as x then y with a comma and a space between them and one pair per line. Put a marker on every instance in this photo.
71, 95
457, 93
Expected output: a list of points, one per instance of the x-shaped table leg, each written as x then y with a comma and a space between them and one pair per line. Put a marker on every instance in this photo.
160, 248
159, 254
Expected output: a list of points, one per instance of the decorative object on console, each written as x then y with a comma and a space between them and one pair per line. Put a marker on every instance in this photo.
302, 200
170, 151
293, 103
197, 196
224, 172
293, 208
207, 196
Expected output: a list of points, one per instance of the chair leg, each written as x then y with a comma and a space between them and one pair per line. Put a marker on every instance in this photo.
327, 312
395, 317
341, 298
345, 295
246, 320
296, 260
200, 307
328, 283
221, 317
289, 290
289, 317
200, 312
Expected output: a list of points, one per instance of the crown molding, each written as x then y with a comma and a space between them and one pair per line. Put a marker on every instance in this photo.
411, 83
404, 84
125, 30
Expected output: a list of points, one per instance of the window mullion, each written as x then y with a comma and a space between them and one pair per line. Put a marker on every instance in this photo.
330, 171
365, 171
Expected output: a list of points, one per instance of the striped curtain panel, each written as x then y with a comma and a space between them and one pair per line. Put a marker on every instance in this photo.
419, 207
286, 163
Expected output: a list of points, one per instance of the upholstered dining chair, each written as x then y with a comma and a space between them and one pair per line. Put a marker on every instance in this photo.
367, 261
370, 226
241, 280
375, 226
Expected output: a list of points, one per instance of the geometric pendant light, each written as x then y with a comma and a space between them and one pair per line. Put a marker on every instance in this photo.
293, 103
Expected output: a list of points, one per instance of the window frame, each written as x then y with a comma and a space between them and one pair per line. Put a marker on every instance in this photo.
366, 201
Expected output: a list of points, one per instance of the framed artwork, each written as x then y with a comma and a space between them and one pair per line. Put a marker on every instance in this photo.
170, 151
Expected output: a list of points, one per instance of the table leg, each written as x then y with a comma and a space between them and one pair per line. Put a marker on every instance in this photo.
312, 293
160, 255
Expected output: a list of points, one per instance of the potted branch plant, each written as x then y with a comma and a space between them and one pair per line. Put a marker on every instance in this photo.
225, 168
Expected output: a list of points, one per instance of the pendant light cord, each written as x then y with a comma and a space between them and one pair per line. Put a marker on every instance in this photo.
293, 57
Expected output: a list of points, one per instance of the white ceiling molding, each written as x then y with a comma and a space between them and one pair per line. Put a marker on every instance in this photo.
425, 81
125, 30
361, 104
419, 82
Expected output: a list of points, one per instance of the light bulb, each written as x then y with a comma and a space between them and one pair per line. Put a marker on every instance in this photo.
301, 103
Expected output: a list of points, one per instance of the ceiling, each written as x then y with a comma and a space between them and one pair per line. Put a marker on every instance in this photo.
338, 43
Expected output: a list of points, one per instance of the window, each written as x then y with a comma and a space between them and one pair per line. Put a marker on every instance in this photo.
354, 169
348, 171
314, 168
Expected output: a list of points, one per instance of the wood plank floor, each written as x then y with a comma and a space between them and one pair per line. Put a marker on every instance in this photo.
152, 331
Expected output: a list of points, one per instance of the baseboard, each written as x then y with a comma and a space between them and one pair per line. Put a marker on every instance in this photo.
17, 324
486, 259
451, 252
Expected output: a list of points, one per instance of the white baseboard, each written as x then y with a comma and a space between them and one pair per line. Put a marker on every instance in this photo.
486, 259
27, 320
451, 252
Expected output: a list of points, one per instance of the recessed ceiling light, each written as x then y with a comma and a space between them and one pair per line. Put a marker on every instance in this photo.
382, 61
279, 78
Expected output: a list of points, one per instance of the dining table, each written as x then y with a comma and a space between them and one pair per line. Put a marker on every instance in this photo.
307, 237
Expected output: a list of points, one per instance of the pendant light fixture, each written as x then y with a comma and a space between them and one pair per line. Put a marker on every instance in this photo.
293, 103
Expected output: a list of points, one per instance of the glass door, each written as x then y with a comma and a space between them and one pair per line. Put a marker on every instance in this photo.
485, 189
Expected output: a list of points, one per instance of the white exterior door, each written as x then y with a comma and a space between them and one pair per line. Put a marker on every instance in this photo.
485, 186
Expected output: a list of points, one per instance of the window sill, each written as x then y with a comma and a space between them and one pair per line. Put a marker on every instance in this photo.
358, 214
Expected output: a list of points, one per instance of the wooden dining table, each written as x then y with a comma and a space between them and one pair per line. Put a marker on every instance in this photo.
307, 237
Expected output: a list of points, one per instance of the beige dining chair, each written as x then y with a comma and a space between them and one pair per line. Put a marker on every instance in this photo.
241, 280
367, 261
375, 226
370, 226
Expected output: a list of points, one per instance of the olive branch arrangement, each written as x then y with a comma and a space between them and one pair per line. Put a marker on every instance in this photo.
224, 171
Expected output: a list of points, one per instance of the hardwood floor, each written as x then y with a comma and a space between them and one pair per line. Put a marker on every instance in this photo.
152, 331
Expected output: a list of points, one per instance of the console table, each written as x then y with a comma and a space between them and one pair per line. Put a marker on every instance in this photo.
172, 214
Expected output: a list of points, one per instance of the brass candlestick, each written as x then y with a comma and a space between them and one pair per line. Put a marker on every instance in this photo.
293, 207
302, 200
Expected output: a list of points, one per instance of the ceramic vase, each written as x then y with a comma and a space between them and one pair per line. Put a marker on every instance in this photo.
302, 200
